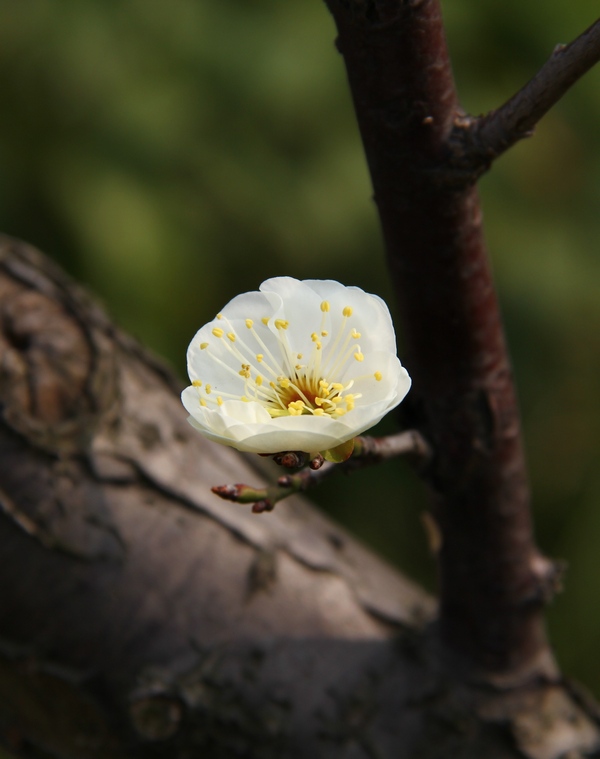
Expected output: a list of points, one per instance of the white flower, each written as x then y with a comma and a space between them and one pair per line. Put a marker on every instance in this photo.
298, 366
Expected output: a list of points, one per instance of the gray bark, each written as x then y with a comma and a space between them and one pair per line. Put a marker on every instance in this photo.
142, 616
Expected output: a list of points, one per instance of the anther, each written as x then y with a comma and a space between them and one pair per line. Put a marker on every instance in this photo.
347, 311
219, 316
378, 376
325, 306
259, 357
203, 346
219, 400
231, 336
359, 356
281, 324
218, 332
249, 323
355, 334
196, 383
208, 389
265, 320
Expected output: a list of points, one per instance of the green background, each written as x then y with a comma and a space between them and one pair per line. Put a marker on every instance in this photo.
173, 154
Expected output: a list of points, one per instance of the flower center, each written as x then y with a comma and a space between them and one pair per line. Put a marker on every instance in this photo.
284, 382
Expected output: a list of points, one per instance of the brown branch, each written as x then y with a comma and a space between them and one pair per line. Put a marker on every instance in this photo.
481, 140
463, 399
367, 451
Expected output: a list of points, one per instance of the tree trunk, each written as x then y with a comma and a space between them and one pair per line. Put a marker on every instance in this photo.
142, 616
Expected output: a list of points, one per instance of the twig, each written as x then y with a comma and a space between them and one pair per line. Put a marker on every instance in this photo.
367, 451
487, 137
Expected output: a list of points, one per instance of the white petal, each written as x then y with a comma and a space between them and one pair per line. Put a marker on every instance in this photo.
370, 314
300, 307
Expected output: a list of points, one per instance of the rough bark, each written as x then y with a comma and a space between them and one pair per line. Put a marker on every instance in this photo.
142, 616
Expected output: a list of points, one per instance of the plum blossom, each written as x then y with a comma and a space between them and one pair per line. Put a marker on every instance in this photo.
298, 366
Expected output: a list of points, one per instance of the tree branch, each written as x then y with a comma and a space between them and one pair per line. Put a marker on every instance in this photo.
463, 399
367, 451
481, 140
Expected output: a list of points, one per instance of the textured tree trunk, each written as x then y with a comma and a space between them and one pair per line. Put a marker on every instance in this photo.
142, 616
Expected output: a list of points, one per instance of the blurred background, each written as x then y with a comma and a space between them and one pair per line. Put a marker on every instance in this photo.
171, 155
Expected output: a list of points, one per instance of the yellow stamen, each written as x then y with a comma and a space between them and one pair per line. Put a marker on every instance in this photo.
259, 380
202, 402
347, 311
296, 408
325, 306
281, 324
219, 316
339, 411
196, 383
219, 400
218, 332
259, 357
208, 389
359, 356
231, 336
355, 334
378, 376
249, 323
319, 412
324, 333
265, 320
203, 346
246, 400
